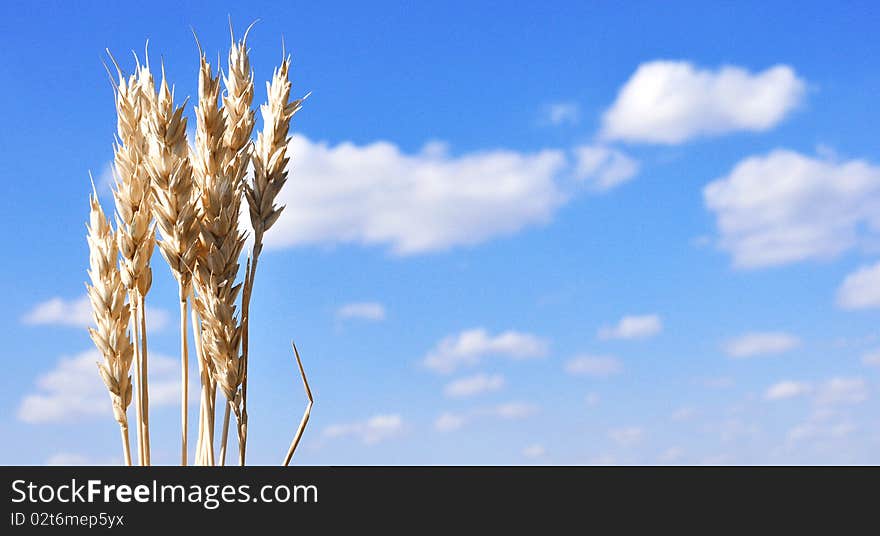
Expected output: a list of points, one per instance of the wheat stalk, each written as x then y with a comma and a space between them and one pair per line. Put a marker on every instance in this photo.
173, 206
220, 243
111, 314
195, 194
239, 84
270, 173
135, 233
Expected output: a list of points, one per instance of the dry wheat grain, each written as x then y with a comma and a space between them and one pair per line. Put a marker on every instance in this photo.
174, 209
111, 314
270, 173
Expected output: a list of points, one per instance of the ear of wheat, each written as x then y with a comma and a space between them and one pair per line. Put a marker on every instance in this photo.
270, 162
193, 196
135, 234
111, 314
173, 206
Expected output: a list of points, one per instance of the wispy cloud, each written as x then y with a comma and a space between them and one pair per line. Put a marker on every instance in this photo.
474, 385
841, 391
671, 102
370, 431
787, 389
627, 436
471, 346
760, 343
534, 451
372, 311
593, 365
560, 113
603, 168
633, 327
509, 411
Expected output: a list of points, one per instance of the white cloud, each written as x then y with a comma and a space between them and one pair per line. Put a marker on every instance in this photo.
374, 430
860, 289
842, 391
683, 414
785, 207
510, 411
787, 389
413, 203
627, 437
78, 313
603, 168
534, 451
70, 458
760, 343
372, 311
471, 346
671, 455
74, 389
474, 385
448, 422
593, 365
561, 113
673, 101
721, 382
872, 358
633, 327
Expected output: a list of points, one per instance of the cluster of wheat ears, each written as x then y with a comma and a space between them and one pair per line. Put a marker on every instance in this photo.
187, 198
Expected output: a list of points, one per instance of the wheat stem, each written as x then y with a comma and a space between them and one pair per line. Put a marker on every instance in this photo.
126, 445
144, 364
138, 380
184, 375
225, 434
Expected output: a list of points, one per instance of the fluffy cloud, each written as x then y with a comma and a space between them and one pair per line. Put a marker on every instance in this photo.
860, 289
474, 385
561, 113
74, 389
370, 431
673, 101
760, 343
78, 313
627, 437
593, 365
362, 310
470, 346
602, 168
787, 389
785, 207
633, 327
430, 201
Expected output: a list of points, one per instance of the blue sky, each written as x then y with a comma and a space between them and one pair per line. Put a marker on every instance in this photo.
564, 233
